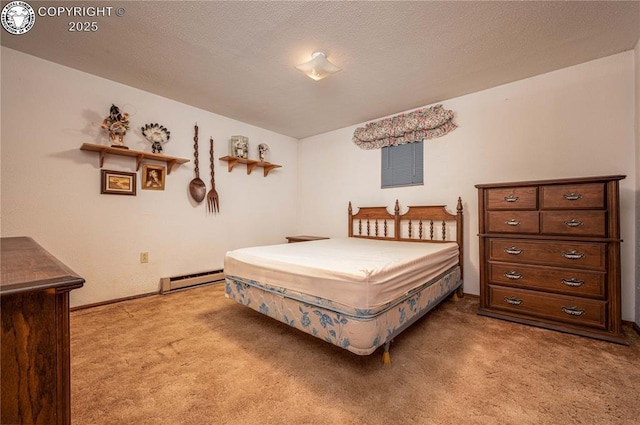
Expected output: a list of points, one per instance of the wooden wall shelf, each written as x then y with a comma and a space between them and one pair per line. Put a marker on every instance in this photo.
251, 164
139, 155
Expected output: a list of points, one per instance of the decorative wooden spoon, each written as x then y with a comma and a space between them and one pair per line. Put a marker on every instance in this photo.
197, 188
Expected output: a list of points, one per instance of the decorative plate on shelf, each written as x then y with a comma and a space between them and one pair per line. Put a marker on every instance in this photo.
157, 135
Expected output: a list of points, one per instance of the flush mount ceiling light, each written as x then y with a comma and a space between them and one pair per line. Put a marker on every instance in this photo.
318, 67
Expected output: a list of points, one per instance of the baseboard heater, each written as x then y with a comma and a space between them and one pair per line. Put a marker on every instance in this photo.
169, 284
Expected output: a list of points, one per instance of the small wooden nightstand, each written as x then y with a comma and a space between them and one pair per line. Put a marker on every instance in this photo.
304, 238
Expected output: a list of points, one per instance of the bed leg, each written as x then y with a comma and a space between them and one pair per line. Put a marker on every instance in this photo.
386, 357
459, 293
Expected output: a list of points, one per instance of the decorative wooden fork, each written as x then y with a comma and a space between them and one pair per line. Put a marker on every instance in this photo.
213, 203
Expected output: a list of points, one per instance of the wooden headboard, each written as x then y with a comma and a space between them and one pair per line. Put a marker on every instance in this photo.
430, 223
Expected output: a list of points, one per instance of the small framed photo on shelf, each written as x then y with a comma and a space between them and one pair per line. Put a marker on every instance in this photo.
240, 147
153, 177
118, 183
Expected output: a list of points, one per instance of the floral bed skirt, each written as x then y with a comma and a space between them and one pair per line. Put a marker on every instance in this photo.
358, 332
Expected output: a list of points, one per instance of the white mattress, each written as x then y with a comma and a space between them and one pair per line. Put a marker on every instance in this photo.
361, 274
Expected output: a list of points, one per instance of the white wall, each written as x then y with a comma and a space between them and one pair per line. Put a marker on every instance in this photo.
578, 121
51, 189
573, 122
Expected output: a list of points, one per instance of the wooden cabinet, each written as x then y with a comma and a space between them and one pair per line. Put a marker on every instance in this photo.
550, 254
34, 292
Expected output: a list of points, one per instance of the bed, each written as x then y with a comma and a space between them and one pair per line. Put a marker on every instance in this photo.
361, 291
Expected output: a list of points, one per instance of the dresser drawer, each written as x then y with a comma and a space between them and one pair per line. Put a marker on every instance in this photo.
513, 198
573, 196
580, 255
513, 222
575, 310
566, 281
577, 223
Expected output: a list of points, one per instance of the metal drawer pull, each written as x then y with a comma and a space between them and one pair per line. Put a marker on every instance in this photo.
572, 196
573, 311
573, 223
513, 300
573, 255
512, 222
513, 275
511, 198
573, 282
513, 251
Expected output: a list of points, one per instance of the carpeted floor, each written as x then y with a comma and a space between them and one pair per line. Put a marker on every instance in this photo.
196, 358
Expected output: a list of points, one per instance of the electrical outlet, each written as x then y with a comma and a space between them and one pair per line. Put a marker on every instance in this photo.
144, 257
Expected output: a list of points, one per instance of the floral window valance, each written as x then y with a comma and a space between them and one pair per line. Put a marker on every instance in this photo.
426, 123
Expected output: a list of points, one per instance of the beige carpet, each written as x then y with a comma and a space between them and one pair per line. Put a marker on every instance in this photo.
195, 357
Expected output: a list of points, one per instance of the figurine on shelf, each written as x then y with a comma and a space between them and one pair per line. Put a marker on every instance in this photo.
263, 150
117, 124
240, 146
157, 135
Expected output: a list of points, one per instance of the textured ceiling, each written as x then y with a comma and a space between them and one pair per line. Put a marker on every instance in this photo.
238, 59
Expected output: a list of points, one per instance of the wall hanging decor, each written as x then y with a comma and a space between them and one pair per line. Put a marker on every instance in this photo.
117, 124
153, 177
240, 146
197, 188
157, 135
118, 183
213, 202
426, 123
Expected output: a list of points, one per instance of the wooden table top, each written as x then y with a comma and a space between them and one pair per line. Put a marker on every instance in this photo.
26, 266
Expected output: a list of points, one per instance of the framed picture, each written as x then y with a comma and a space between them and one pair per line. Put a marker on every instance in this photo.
240, 146
118, 183
153, 177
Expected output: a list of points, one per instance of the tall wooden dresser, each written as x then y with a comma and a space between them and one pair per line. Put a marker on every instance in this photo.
550, 254
35, 369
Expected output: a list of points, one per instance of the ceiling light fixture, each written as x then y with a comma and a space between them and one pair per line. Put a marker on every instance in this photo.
318, 67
